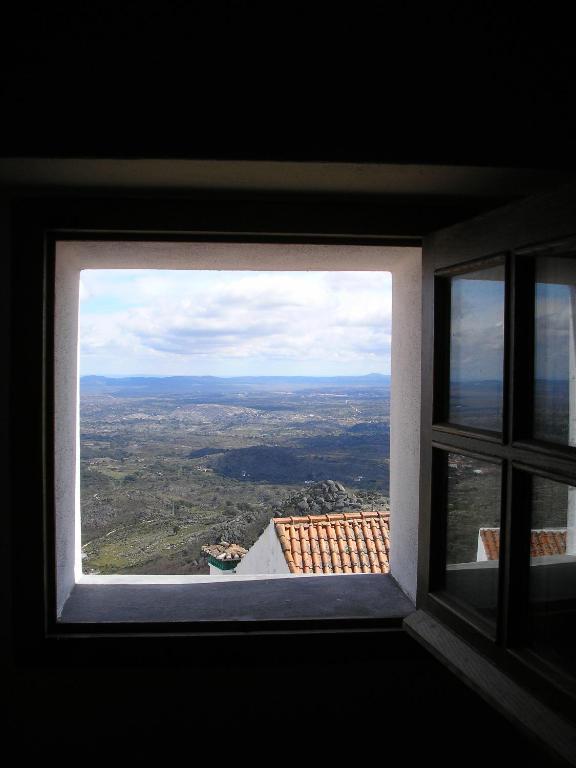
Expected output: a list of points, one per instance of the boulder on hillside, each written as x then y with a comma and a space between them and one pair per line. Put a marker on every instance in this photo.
324, 497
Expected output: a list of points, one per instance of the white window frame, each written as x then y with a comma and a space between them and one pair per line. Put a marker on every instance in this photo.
405, 264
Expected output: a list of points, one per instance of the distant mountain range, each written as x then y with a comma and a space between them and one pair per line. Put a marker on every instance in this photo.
132, 386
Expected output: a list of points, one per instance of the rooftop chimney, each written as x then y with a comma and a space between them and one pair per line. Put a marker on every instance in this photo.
223, 557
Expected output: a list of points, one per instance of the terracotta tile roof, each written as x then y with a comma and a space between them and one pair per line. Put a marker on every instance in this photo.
351, 542
225, 551
544, 542
548, 542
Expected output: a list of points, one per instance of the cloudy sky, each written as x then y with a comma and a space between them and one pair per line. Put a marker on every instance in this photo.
553, 315
477, 326
233, 323
477, 329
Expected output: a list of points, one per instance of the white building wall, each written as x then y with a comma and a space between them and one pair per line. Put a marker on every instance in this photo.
481, 551
265, 555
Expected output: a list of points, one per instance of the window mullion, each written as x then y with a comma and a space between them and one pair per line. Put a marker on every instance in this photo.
515, 523
515, 564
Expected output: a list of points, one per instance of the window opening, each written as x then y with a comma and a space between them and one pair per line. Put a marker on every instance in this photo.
234, 422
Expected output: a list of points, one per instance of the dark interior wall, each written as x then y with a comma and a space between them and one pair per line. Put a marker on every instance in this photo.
374, 696
5, 418
459, 84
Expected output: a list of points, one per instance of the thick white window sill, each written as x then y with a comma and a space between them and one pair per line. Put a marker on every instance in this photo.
341, 597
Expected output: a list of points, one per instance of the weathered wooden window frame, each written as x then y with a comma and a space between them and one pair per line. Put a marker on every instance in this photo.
519, 454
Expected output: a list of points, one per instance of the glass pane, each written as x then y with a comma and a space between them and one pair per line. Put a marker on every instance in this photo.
554, 358
473, 533
477, 349
553, 572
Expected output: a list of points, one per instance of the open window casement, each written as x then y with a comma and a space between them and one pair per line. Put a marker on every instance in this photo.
497, 555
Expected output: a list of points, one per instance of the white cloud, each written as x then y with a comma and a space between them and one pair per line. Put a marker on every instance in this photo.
176, 319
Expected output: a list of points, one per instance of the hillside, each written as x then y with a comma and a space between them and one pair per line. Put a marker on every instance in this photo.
179, 550
162, 474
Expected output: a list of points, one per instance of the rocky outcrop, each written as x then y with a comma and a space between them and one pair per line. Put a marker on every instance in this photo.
321, 498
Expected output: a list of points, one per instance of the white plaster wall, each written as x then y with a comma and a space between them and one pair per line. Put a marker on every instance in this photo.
250, 256
403, 263
405, 419
67, 457
265, 555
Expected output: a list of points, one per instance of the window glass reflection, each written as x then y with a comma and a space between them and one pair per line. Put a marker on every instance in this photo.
473, 533
477, 349
554, 351
553, 572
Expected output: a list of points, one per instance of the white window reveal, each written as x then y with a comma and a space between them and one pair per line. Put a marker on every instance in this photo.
378, 541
